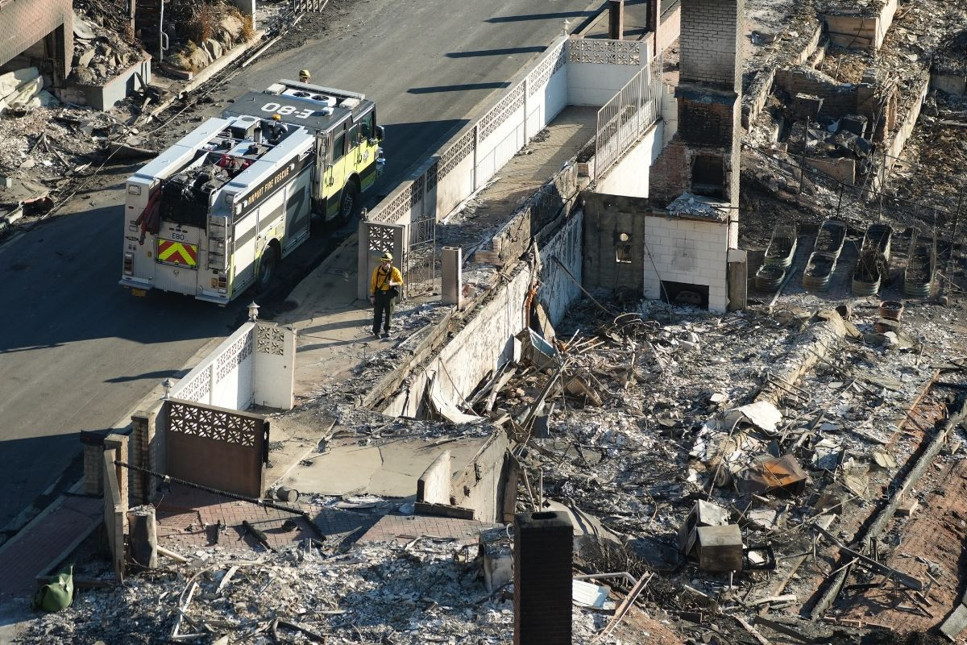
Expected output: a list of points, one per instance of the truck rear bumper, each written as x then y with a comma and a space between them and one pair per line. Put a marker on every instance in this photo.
137, 286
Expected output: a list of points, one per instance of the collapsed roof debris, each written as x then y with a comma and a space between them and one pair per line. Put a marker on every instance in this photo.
99, 55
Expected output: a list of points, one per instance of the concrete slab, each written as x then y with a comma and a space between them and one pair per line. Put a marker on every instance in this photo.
388, 470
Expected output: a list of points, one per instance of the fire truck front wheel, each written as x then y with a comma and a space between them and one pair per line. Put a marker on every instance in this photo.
267, 265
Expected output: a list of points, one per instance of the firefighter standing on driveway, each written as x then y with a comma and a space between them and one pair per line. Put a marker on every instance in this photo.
384, 289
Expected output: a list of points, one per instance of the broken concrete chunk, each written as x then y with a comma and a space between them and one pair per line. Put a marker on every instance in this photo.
579, 386
587, 594
883, 459
85, 59
907, 507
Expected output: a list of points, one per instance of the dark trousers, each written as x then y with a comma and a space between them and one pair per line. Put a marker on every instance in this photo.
383, 304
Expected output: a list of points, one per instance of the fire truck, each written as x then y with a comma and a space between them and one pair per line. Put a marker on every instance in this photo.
215, 213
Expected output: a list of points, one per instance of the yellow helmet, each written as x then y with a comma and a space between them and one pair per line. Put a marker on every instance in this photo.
276, 117
304, 73
387, 257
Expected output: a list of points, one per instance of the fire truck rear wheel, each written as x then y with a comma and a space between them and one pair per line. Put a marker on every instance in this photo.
267, 264
350, 201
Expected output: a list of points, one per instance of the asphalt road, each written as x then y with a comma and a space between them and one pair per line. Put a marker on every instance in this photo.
77, 352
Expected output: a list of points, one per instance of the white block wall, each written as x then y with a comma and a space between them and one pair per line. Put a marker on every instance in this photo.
246, 368
687, 251
595, 84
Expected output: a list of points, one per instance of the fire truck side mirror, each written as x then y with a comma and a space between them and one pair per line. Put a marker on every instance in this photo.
380, 133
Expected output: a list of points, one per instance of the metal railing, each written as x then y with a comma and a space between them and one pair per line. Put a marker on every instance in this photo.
623, 119
303, 6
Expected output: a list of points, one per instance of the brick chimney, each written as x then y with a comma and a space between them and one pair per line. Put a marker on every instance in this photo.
704, 156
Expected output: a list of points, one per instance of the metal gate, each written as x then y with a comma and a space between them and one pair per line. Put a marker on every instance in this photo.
224, 449
421, 266
375, 239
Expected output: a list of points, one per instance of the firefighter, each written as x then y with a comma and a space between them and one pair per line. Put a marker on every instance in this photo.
277, 129
304, 76
384, 289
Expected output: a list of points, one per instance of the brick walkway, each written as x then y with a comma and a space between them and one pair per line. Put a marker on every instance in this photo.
403, 528
37, 547
188, 519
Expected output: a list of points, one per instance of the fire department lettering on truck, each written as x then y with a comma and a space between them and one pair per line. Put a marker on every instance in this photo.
287, 110
262, 191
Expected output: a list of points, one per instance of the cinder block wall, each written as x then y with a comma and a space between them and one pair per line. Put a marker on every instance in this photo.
711, 32
606, 217
838, 98
26, 22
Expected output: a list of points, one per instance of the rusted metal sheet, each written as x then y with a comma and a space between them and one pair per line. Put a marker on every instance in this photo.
780, 473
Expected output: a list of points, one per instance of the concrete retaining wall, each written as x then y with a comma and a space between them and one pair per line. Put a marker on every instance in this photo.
434, 485
560, 288
106, 96
903, 134
754, 96
861, 32
480, 485
486, 341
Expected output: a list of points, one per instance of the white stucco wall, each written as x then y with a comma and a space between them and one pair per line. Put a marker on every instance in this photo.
250, 366
557, 290
630, 175
274, 373
594, 83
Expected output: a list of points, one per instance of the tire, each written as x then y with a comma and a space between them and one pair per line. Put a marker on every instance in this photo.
349, 202
267, 266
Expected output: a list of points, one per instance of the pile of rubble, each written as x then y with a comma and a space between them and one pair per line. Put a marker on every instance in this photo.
844, 151
99, 53
425, 591
48, 144
719, 464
